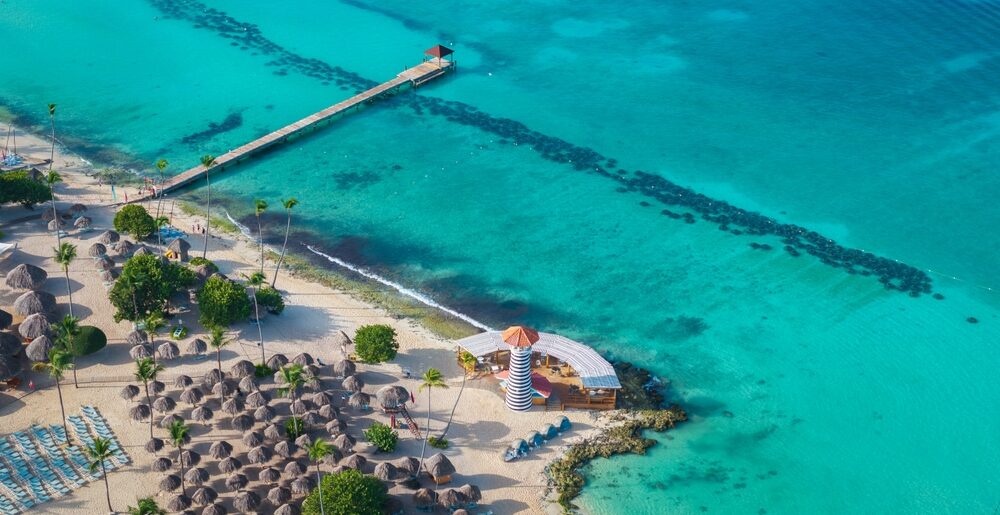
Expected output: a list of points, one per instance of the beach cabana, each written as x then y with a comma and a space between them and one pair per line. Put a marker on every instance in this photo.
440, 468
392, 398
178, 249
26, 277
33, 326
32, 302
535, 440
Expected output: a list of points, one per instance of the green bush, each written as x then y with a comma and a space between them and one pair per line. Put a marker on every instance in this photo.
375, 343
88, 341
198, 261
383, 437
133, 219
261, 371
270, 299
347, 493
294, 428
438, 443
222, 302
145, 285
20, 188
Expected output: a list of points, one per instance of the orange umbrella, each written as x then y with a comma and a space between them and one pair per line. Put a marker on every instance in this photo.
519, 336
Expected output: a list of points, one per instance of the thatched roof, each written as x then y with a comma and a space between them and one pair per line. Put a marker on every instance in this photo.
450, 498
140, 352
139, 412
107, 276
104, 263
97, 250
179, 502
33, 326
321, 398
26, 277
153, 445
213, 377
257, 399
232, 406
202, 414
164, 404
471, 493
162, 464
5, 319
311, 418
303, 359
439, 465
214, 509
196, 476
142, 250
229, 465
9, 367
344, 443
353, 383
179, 245
32, 302
246, 501
385, 471
224, 387
82, 222
301, 485
170, 483
124, 247
183, 381
359, 400
76, 208
335, 426
303, 440
236, 481
253, 439
274, 432
269, 475
190, 458
259, 454
220, 449
242, 368
157, 386
128, 392
204, 495
392, 396
406, 464
10, 344
192, 396
294, 468
278, 495
166, 421
248, 383
328, 412
277, 361
334, 456
58, 223
136, 337
424, 498
284, 448
354, 461
285, 509
344, 368
168, 350
48, 214
264, 414
341, 340
241, 422
196, 346
108, 237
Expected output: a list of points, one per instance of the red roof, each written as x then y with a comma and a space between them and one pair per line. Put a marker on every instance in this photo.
519, 336
438, 51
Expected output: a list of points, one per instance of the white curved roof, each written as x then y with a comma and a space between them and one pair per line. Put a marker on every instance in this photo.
595, 371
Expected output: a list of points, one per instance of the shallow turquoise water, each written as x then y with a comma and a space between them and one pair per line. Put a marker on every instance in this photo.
811, 390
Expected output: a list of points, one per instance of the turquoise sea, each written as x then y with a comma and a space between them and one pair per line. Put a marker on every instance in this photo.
812, 387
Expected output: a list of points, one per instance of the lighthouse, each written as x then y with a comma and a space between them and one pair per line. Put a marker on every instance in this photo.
519, 339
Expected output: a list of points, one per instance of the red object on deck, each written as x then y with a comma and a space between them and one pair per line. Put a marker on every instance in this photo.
438, 51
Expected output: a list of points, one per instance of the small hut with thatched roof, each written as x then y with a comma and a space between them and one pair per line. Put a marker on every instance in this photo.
11, 345
108, 237
26, 277
440, 468
391, 398
33, 326
178, 249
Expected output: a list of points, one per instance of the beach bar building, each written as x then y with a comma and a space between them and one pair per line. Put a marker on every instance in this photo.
560, 372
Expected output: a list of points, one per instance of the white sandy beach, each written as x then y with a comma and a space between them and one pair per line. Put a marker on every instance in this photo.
482, 426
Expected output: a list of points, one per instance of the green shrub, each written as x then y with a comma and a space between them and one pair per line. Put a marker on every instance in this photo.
20, 188
88, 341
133, 219
222, 302
347, 493
270, 299
261, 371
294, 428
437, 443
375, 343
145, 285
198, 261
383, 437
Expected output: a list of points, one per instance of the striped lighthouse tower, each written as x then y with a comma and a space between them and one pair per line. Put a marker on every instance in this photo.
520, 339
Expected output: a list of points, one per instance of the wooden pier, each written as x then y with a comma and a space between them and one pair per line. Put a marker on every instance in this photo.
415, 76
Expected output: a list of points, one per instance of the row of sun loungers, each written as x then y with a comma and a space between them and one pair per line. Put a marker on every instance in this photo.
37, 465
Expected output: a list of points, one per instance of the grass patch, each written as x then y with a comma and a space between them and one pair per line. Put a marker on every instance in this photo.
218, 223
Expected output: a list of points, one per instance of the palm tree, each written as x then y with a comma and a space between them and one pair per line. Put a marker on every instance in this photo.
153, 323
217, 342
66, 331
59, 362
468, 362
99, 451
65, 253
146, 506
51, 179
161, 222
52, 121
161, 165
289, 204
432, 378
208, 161
146, 370
317, 451
292, 377
259, 207
256, 280
178, 437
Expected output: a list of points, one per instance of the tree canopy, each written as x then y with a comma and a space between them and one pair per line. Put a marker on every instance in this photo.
20, 188
376, 343
145, 285
270, 299
222, 302
133, 219
347, 493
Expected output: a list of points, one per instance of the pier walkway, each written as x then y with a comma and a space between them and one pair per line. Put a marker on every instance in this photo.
414, 76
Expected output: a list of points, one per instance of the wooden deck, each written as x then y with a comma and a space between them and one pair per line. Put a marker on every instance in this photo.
415, 76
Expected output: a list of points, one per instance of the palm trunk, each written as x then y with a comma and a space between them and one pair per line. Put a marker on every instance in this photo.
180, 460
284, 245
52, 187
319, 484
218, 361
62, 409
208, 215
295, 417
69, 290
150, 404
427, 433
260, 332
454, 406
260, 239
107, 487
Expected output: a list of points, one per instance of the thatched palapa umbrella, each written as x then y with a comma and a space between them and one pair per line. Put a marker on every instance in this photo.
322, 398
257, 399
269, 475
253, 439
108, 237
196, 346
451, 498
471, 493
354, 461
259, 455
407, 464
26, 277
190, 458
123, 247
33, 326
301, 485
162, 464
241, 422
385, 471
5, 319
183, 381
277, 361
303, 441
179, 502
214, 509
213, 377
140, 352
232, 406
139, 412
439, 467
196, 476
128, 392
82, 222
56, 224
328, 412
340, 339
303, 359
294, 469
278, 495
141, 250
170, 483
284, 448
310, 418
97, 250
34, 302
107, 276
265, 414
224, 387
168, 350
248, 383
136, 337
204, 495
344, 443
353, 383
332, 458
202, 414
424, 498
170, 419
220, 449
157, 387
336, 426
153, 445
344, 368
164, 404
274, 432
236, 481
298, 407
246, 502
285, 509
392, 397
105, 263
359, 400
229, 465
242, 368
